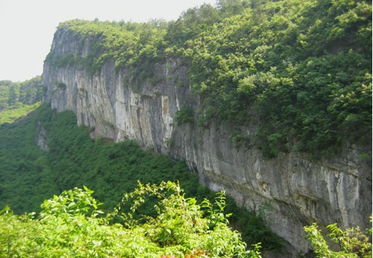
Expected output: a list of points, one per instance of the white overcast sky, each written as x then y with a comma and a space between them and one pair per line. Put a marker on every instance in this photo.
27, 26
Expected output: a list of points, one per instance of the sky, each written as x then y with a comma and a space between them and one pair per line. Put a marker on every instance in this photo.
27, 26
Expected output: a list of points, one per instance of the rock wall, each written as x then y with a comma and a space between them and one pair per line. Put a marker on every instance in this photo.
41, 138
291, 189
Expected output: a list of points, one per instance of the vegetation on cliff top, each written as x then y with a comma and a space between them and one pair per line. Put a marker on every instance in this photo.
128, 44
302, 66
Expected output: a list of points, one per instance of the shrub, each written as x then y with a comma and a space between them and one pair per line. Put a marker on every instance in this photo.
184, 116
181, 227
352, 242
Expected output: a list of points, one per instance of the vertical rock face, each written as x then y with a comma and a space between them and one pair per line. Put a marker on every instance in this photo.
41, 137
291, 190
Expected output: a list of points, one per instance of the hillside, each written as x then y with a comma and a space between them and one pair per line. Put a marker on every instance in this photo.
46, 153
268, 101
16, 94
287, 61
18, 99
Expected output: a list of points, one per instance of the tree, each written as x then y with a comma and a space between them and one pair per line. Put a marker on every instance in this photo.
72, 225
352, 242
12, 96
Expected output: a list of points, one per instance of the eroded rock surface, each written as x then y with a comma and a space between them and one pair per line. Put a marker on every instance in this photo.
41, 137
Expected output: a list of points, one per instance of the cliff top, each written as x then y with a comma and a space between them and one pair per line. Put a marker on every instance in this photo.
303, 66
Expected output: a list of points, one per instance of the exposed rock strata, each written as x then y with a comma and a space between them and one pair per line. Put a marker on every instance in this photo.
290, 189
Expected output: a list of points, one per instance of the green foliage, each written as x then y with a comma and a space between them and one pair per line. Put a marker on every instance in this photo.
61, 85
178, 229
352, 242
191, 23
310, 84
184, 116
4, 93
25, 174
125, 43
31, 91
11, 115
29, 175
242, 140
12, 98
304, 66
75, 202
15, 94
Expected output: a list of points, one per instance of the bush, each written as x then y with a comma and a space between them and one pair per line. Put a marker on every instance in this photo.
351, 242
184, 116
64, 227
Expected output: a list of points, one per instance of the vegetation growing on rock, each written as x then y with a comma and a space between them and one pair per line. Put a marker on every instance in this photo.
304, 66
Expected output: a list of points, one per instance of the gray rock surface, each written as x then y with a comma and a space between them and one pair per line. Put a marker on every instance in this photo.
291, 190
41, 137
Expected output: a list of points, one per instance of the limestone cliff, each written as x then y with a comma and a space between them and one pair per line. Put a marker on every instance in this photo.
291, 189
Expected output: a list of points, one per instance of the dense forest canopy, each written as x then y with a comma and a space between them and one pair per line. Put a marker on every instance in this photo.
302, 66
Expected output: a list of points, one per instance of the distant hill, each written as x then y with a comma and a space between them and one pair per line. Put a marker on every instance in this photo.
16, 94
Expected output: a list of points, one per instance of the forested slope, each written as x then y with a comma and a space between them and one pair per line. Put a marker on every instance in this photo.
15, 94
269, 100
29, 175
19, 98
